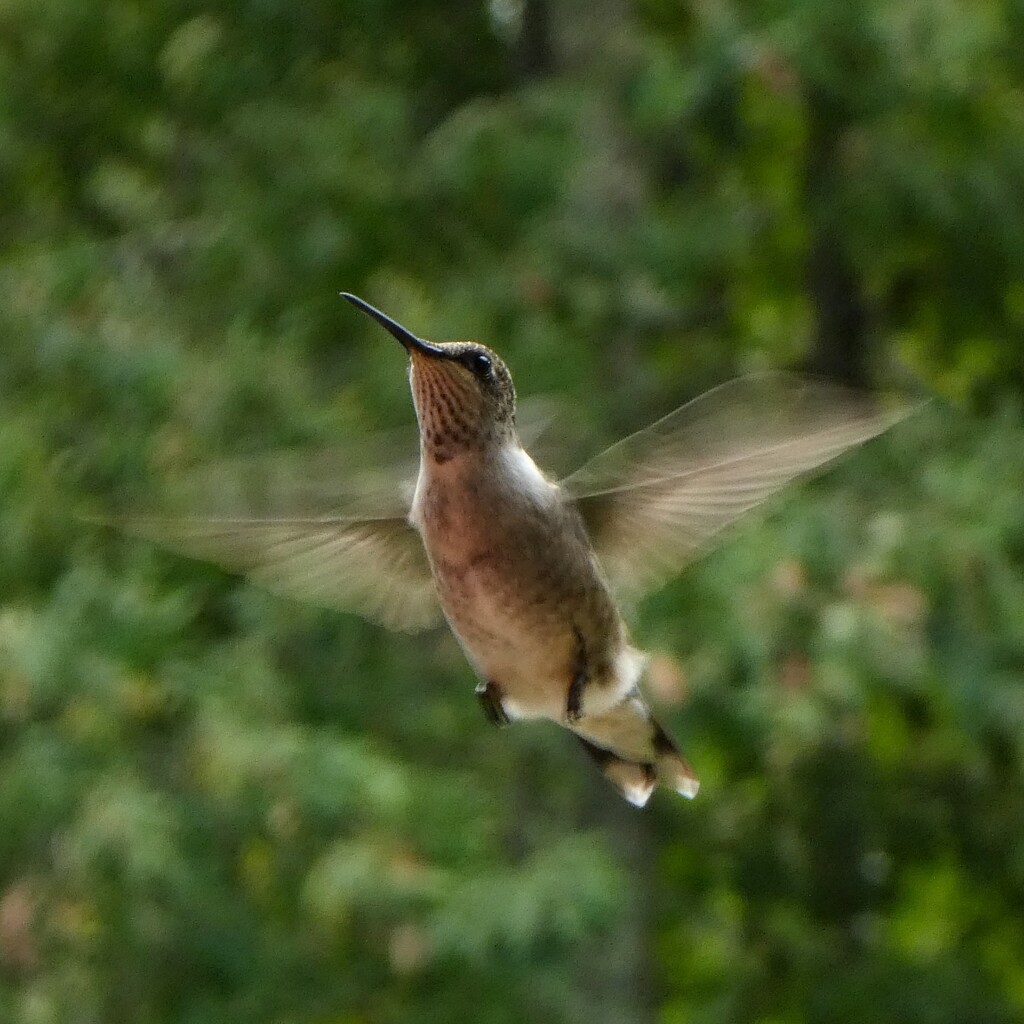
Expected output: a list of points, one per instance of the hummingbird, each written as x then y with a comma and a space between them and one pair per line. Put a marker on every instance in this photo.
532, 572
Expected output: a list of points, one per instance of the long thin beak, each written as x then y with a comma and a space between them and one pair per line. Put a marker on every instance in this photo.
409, 340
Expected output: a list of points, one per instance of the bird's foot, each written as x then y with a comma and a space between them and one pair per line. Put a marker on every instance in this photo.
574, 698
489, 695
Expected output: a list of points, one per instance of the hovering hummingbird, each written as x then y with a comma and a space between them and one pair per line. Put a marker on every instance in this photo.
527, 570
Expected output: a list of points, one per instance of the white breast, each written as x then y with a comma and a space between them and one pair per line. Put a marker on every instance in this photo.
521, 474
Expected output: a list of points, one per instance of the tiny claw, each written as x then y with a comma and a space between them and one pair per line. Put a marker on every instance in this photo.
489, 696
574, 698
573, 711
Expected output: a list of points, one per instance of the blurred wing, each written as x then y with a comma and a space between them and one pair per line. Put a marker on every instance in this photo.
552, 431
327, 527
653, 501
374, 567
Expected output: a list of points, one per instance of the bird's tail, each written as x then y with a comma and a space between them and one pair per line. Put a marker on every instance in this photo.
634, 752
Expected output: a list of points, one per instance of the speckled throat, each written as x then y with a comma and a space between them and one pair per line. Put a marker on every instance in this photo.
452, 413
462, 390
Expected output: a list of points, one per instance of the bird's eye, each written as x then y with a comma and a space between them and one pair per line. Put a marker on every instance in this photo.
480, 364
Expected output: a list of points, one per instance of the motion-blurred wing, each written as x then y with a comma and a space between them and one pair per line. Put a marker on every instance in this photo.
323, 527
653, 501
373, 567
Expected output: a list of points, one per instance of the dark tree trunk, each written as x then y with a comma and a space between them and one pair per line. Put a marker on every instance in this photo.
840, 347
534, 52
839, 350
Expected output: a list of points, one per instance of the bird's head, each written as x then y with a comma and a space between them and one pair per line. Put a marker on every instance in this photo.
462, 390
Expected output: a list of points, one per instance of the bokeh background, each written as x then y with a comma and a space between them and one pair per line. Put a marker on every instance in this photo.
222, 807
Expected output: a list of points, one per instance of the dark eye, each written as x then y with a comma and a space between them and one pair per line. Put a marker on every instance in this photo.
480, 364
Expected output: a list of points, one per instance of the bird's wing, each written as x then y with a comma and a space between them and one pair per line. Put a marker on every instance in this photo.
327, 526
317, 526
653, 501
373, 567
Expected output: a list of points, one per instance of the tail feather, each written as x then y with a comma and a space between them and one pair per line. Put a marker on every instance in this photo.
635, 781
634, 752
673, 769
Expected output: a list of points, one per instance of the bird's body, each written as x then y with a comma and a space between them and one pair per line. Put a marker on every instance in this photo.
528, 570
523, 592
516, 573
515, 577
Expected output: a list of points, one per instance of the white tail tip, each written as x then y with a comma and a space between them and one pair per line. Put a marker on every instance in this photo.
634, 781
688, 787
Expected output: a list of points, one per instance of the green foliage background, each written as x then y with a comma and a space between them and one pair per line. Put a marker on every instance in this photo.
219, 806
